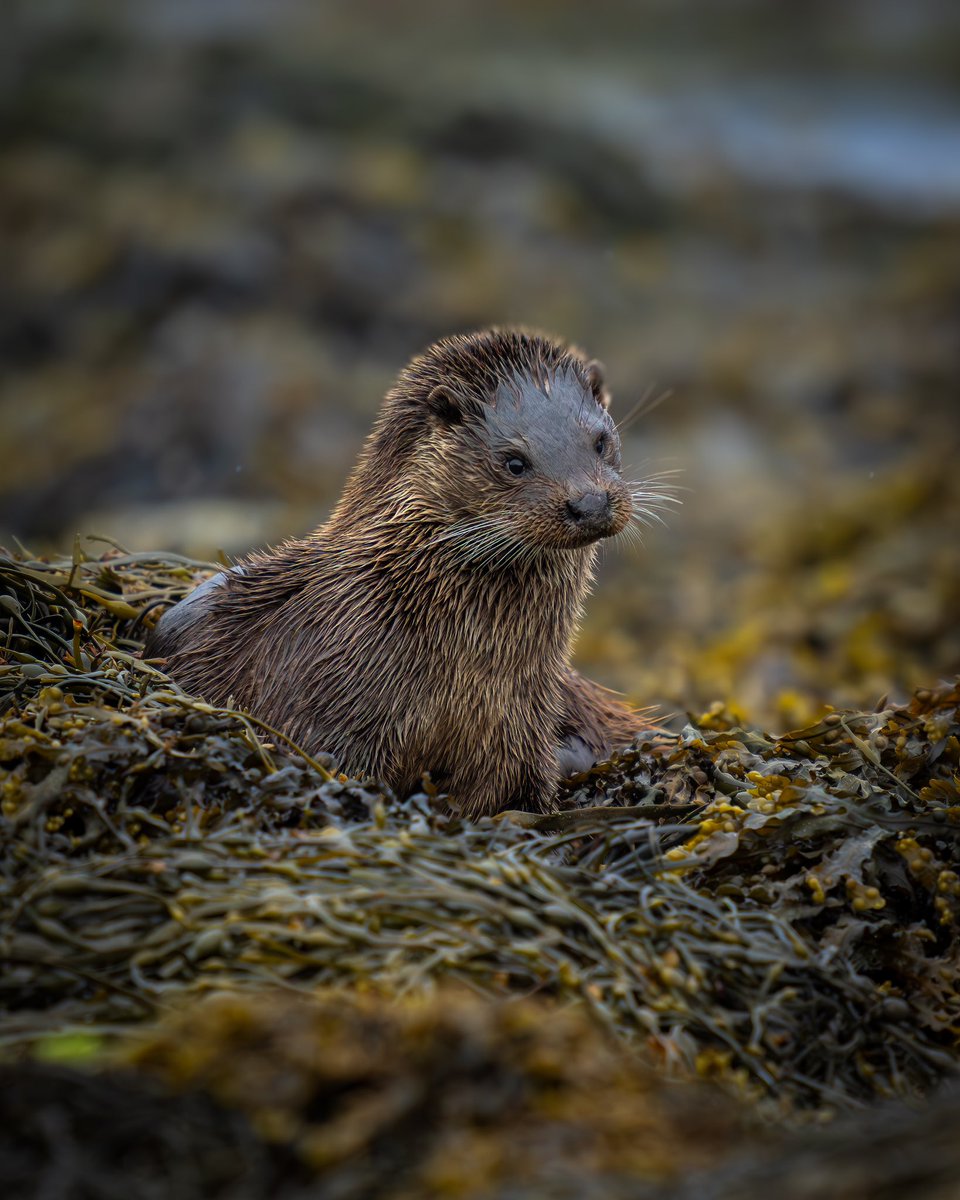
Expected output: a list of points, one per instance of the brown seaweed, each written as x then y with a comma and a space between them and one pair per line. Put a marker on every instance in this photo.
778, 914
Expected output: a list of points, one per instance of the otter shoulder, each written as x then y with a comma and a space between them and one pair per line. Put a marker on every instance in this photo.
176, 622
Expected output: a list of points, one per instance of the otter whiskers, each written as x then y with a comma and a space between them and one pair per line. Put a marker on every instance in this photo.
483, 542
649, 399
650, 499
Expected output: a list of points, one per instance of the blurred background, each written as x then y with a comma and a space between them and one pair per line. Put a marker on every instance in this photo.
225, 225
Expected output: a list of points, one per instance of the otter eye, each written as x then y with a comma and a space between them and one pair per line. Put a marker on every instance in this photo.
516, 465
600, 444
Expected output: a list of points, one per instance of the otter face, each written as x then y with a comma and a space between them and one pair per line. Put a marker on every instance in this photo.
552, 461
499, 446
527, 461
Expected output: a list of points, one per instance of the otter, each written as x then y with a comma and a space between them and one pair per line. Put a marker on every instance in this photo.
427, 626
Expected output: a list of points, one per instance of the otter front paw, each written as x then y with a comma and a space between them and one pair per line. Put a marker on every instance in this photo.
574, 756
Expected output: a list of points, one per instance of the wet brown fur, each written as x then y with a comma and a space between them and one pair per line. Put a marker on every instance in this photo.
427, 626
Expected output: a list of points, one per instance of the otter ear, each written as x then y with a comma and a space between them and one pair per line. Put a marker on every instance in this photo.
595, 374
445, 405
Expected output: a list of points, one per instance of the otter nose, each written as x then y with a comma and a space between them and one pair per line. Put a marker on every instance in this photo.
590, 507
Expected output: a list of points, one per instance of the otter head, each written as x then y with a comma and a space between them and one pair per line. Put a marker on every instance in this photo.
509, 446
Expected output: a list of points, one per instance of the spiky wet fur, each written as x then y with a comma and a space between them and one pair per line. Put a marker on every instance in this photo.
400, 637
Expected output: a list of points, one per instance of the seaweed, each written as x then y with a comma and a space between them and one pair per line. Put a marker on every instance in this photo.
777, 914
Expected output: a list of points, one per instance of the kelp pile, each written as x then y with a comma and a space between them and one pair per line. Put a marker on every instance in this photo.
776, 914
426, 1093
438, 1086
280, 1096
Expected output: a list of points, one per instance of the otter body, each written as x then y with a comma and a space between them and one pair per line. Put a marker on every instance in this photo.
428, 625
